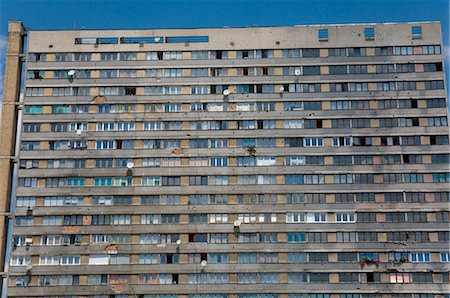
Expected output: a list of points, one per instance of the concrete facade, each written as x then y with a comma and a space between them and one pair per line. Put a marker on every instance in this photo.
8, 126
306, 161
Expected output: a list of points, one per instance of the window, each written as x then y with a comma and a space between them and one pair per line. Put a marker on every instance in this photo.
323, 34
385, 68
170, 180
119, 259
422, 277
99, 238
248, 238
337, 69
420, 257
356, 52
348, 277
26, 201
35, 91
198, 199
294, 237
35, 109
436, 103
295, 217
121, 219
28, 182
297, 277
20, 260
31, 127
198, 180
357, 69
218, 238
342, 52
342, 141
416, 32
358, 87
347, 257
218, 218
445, 257
313, 142
369, 33
97, 279
70, 260
346, 237
198, 218
319, 277
318, 257
73, 220
316, 217
345, 217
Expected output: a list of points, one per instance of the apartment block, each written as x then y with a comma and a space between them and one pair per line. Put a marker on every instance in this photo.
260, 162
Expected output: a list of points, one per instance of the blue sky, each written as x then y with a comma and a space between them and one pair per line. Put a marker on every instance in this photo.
123, 14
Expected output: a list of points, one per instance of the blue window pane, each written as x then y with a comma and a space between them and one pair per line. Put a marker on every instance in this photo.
369, 33
416, 32
323, 34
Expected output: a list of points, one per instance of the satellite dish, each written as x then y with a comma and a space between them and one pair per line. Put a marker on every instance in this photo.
226, 92
130, 165
281, 88
297, 72
71, 72
29, 267
237, 223
78, 131
203, 263
178, 242
157, 39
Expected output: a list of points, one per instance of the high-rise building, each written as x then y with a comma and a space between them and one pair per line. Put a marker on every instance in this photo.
272, 162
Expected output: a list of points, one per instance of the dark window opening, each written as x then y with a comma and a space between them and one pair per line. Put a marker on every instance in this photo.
405, 158
130, 90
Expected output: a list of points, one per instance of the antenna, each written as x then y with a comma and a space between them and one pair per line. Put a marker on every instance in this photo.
226, 92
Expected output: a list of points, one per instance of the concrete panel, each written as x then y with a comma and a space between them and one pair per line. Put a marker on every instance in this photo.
323, 52
370, 51
326, 123
325, 88
420, 85
324, 70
